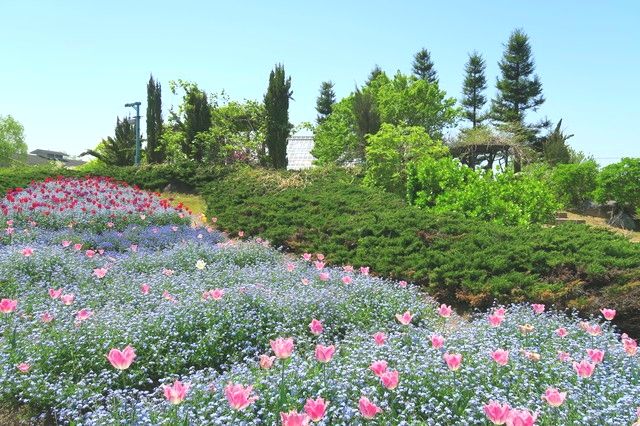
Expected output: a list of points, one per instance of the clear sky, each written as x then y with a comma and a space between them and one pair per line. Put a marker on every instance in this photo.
67, 67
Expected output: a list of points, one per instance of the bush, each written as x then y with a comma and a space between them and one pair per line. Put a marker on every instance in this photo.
574, 183
620, 182
460, 259
445, 185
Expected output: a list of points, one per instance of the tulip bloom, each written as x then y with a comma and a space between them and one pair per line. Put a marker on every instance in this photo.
316, 327
84, 314
282, 347
325, 353
437, 341
23, 367
46, 317
8, 305
526, 328
500, 311
554, 397
608, 314
90, 253
306, 256
538, 308
630, 346
584, 368
305, 281
347, 279
293, 418
563, 356
562, 332
596, 355
66, 243
390, 379
320, 256
177, 392
100, 272
444, 311
122, 359
27, 251
291, 267
453, 361
500, 356
144, 288
319, 265
594, 330
67, 299
266, 361
378, 367
368, 410
77, 247
238, 396
497, 413
216, 294
402, 284
54, 294
405, 319
521, 418
316, 409
379, 338
495, 320
324, 276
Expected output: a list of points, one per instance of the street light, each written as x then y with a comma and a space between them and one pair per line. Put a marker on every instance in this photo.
136, 106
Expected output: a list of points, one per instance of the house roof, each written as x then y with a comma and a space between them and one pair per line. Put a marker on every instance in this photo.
47, 152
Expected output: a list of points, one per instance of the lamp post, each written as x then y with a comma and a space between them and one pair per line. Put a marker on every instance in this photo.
136, 106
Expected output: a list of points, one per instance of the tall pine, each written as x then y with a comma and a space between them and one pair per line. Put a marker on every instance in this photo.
423, 66
325, 101
155, 153
276, 102
474, 85
197, 120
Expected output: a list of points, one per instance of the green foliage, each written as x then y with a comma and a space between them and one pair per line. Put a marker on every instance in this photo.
12, 144
118, 150
423, 66
390, 150
574, 183
367, 117
620, 182
555, 148
155, 152
335, 140
328, 211
276, 102
445, 185
19, 177
475, 83
325, 101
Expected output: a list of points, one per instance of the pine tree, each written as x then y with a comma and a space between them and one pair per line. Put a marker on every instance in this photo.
197, 120
375, 72
555, 146
474, 85
423, 66
367, 117
276, 102
325, 101
519, 89
155, 153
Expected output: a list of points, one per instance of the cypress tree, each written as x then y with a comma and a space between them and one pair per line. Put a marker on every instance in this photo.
276, 102
423, 66
367, 117
474, 85
197, 120
155, 153
555, 147
325, 101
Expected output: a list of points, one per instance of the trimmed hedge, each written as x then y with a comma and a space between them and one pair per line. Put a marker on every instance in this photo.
465, 261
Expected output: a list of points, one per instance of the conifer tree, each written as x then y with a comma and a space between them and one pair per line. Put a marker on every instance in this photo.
473, 87
155, 153
423, 66
325, 101
276, 102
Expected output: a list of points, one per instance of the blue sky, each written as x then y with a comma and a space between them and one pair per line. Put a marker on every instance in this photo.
68, 67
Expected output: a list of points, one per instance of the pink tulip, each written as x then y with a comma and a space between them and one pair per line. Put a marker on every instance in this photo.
67, 299
282, 347
27, 251
54, 294
497, 413
177, 392
316, 409
305, 281
90, 253
325, 353
293, 418
46, 317
168, 296
501, 311
167, 272
584, 368
133, 248
630, 346
122, 359
596, 355
554, 397
9, 231
23, 367
8, 305
316, 327
77, 247
538, 308
453, 361
347, 279
240, 234
84, 314
444, 311
145, 288
437, 341
379, 338
495, 320
266, 361
562, 332
319, 265
402, 284
324, 276
216, 294
100, 252
594, 330
306, 256
100, 272
364, 270
563, 356
378, 367
347, 268
66, 243
521, 418
500, 356
368, 410
291, 267
608, 314
390, 379
405, 319
320, 256
238, 396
